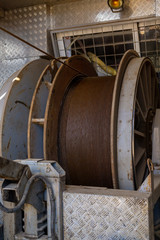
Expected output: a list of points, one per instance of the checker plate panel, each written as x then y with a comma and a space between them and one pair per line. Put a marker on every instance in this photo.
93, 216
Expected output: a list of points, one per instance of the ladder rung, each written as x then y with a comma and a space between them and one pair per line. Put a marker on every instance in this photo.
39, 121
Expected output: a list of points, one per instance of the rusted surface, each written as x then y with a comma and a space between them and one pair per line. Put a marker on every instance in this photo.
84, 132
148, 184
77, 124
11, 170
58, 90
81, 123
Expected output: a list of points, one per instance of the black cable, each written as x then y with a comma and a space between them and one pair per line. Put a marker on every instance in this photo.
23, 199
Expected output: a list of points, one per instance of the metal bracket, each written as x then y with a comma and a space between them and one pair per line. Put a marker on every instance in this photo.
37, 218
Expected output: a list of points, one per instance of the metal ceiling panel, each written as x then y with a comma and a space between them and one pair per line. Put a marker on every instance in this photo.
10, 4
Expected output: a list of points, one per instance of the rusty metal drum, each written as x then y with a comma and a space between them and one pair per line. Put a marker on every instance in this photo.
98, 128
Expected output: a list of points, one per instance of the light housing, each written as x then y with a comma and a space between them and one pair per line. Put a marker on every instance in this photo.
116, 5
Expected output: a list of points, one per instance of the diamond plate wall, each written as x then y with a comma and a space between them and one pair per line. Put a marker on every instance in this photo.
31, 24
157, 7
104, 216
96, 11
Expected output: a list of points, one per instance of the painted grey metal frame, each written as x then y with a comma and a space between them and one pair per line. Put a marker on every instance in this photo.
91, 212
15, 100
13, 222
57, 35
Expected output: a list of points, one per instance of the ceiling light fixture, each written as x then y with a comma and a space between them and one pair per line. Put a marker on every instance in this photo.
116, 5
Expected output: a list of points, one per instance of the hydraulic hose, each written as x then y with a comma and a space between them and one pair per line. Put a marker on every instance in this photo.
23, 199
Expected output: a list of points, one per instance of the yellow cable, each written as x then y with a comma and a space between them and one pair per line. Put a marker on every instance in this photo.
106, 68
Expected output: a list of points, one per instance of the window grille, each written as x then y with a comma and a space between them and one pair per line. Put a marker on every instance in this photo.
149, 38
110, 41
109, 47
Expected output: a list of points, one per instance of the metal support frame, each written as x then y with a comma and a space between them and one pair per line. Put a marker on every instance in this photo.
34, 220
99, 213
88, 211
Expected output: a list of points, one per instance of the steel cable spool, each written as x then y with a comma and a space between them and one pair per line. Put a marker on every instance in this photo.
84, 132
98, 127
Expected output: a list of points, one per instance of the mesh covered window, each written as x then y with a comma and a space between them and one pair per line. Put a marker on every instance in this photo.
149, 38
110, 41
108, 46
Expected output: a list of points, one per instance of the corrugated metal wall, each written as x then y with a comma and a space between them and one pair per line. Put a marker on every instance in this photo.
32, 23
